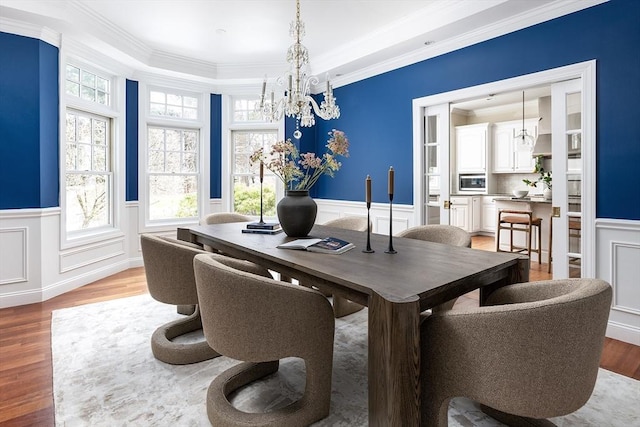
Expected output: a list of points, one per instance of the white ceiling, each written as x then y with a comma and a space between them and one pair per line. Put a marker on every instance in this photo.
243, 40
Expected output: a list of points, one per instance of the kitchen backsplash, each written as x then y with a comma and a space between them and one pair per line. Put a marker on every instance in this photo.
507, 182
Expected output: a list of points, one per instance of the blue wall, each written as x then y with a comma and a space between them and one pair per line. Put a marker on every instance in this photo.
215, 156
376, 112
29, 123
132, 139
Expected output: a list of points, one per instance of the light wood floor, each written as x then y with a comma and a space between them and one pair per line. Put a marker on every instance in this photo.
26, 386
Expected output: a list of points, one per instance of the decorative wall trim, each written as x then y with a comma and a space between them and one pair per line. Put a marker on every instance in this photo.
402, 214
617, 247
6, 214
14, 258
91, 254
34, 31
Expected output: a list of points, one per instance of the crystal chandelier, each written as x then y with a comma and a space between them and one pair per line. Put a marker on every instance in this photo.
524, 138
297, 101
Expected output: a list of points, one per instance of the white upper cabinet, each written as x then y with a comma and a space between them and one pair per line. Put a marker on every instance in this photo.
471, 148
509, 156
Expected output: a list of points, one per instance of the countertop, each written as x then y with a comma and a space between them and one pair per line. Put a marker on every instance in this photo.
520, 200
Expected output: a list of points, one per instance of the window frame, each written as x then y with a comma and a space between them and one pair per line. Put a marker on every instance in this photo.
113, 113
147, 120
229, 127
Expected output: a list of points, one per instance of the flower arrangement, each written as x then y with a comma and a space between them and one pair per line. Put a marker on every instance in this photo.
300, 171
545, 177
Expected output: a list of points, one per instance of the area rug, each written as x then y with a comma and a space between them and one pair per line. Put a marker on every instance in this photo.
104, 374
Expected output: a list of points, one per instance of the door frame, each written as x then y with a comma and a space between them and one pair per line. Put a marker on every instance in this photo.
586, 71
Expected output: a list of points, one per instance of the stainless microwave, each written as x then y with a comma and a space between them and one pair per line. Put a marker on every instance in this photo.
472, 182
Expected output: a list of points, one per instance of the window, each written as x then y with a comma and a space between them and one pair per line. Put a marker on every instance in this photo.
246, 177
172, 159
88, 177
246, 110
86, 85
165, 104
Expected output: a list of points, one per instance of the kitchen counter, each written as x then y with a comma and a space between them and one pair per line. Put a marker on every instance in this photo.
521, 199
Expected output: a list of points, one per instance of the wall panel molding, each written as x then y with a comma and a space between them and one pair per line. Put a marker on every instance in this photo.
14, 261
90, 254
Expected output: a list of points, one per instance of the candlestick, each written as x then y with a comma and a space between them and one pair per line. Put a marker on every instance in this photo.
261, 179
368, 249
391, 181
390, 249
368, 189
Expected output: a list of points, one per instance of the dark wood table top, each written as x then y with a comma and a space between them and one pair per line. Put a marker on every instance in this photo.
433, 272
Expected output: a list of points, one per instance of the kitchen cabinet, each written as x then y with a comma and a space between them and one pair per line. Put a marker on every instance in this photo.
509, 155
471, 148
466, 212
489, 218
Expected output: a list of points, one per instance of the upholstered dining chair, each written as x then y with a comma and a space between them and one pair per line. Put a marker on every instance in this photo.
440, 233
168, 266
258, 320
342, 306
533, 352
222, 218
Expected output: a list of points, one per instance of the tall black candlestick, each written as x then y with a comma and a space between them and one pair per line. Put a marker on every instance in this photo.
261, 179
390, 250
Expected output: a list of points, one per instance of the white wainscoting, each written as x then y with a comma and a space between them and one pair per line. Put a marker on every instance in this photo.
618, 262
34, 268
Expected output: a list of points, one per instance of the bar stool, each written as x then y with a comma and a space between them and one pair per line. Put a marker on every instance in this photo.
513, 220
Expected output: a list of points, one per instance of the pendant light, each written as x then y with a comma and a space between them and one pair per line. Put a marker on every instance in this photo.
524, 138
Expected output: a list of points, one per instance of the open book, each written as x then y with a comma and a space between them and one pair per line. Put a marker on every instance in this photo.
329, 245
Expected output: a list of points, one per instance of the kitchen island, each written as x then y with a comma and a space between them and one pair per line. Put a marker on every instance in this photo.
540, 208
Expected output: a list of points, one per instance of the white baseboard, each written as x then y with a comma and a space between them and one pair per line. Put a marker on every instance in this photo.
622, 332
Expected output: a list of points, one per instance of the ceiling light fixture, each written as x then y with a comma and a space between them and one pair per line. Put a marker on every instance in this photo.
523, 137
297, 100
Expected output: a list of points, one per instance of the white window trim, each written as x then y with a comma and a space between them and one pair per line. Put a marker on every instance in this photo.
114, 112
228, 126
203, 127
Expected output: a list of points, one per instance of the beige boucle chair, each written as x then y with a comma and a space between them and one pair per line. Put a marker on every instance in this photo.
342, 306
533, 352
258, 320
439, 233
222, 218
168, 265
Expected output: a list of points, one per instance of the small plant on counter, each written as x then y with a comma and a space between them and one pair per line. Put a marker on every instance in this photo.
545, 177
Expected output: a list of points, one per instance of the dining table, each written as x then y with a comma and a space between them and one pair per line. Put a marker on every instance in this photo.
395, 287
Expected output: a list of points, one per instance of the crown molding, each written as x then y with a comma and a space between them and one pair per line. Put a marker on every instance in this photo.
34, 31
527, 19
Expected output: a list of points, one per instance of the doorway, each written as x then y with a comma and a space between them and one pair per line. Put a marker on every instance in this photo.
426, 203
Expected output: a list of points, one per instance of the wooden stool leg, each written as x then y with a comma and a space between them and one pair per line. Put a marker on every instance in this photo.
540, 243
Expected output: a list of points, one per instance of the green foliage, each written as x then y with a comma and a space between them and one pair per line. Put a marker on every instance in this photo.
188, 207
545, 177
247, 200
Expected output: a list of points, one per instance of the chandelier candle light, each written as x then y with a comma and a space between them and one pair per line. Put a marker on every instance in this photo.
390, 250
297, 100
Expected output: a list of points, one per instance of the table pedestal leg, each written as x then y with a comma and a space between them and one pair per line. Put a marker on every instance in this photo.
394, 362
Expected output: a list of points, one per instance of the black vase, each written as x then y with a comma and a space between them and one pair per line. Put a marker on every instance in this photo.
297, 213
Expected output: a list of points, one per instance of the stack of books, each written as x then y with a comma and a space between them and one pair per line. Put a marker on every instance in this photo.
263, 228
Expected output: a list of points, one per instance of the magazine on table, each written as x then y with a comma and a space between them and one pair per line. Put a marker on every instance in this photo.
329, 245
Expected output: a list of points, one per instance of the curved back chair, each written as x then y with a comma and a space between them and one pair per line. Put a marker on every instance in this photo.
533, 352
343, 306
222, 218
258, 320
168, 265
439, 233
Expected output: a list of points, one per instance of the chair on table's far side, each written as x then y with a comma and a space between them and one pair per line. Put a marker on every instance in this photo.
533, 352
342, 306
222, 218
440, 233
270, 321
168, 266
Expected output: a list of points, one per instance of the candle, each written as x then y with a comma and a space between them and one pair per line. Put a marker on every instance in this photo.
290, 83
272, 98
261, 171
328, 86
391, 178
264, 87
368, 189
